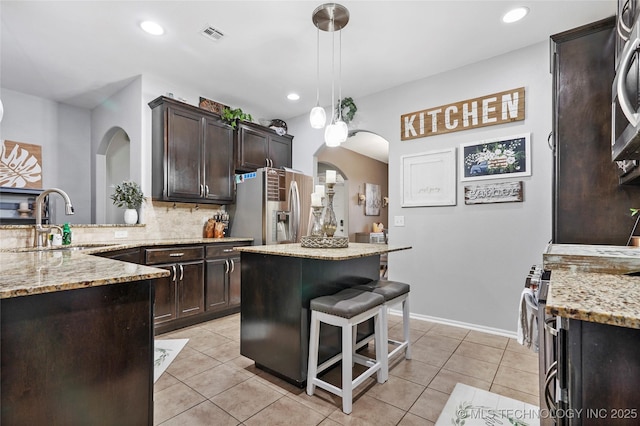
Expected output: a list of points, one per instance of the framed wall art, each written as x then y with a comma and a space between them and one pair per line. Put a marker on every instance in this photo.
20, 165
373, 199
429, 178
506, 157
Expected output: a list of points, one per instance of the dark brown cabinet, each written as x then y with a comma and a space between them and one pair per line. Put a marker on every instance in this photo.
192, 154
258, 146
223, 277
182, 293
204, 283
599, 370
589, 205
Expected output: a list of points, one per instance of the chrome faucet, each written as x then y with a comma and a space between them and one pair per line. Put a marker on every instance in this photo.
40, 230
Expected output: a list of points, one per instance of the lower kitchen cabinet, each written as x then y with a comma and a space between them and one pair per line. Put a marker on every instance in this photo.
598, 373
223, 277
182, 293
204, 283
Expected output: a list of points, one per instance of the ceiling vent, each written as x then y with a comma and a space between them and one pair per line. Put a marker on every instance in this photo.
212, 33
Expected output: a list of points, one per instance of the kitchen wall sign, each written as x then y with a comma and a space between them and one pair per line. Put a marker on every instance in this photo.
373, 199
507, 192
489, 110
20, 165
429, 178
505, 157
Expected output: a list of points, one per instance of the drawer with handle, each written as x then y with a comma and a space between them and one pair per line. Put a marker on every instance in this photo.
174, 254
217, 250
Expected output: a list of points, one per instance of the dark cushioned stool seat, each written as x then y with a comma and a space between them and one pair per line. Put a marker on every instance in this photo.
347, 303
388, 289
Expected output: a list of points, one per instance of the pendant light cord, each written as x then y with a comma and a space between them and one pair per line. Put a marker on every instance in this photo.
318, 66
333, 72
340, 78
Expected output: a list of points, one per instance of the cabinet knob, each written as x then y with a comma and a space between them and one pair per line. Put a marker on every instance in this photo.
180, 254
233, 265
226, 266
181, 272
173, 268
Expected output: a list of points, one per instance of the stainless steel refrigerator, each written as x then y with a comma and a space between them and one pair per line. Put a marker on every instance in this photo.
272, 206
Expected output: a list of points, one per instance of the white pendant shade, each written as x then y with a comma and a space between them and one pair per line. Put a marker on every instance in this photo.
342, 130
318, 117
332, 135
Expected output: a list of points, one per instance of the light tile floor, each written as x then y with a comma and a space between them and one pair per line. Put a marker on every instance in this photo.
210, 383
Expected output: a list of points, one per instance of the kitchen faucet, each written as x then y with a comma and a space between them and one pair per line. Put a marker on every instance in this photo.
40, 230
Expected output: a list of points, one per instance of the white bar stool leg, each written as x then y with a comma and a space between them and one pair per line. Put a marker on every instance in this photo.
347, 368
314, 341
405, 327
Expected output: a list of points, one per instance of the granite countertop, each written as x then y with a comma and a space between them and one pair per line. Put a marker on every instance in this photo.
596, 297
354, 250
26, 271
100, 247
49, 271
590, 283
593, 258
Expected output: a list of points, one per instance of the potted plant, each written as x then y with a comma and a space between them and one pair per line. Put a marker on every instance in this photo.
231, 116
348, 109
128, 194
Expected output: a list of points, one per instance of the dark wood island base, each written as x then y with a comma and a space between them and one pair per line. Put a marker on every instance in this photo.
278, 282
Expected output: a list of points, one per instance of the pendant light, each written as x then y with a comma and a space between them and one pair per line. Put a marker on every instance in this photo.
331, 17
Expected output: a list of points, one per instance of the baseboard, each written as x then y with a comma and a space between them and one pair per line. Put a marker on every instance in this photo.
469, 326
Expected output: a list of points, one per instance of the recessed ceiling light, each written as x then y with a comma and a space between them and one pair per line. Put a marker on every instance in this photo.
515, 15
293, 96
152, 28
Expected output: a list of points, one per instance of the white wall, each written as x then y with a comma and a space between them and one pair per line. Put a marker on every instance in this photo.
122, 111
57, 128
468, 263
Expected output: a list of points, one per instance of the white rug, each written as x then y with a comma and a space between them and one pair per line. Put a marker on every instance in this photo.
472, 406
165, 352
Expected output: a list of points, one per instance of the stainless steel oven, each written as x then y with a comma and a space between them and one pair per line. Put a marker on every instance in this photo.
548, 343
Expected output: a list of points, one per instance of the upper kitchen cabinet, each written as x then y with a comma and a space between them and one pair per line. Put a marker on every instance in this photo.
192, 154
259, 146
589, 206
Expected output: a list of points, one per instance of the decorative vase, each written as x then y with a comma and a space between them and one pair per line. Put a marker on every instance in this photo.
131, 216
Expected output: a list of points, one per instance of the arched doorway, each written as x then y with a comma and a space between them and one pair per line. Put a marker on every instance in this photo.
363, 158
112, 167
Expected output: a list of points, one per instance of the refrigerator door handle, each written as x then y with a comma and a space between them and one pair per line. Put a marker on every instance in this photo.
294, 208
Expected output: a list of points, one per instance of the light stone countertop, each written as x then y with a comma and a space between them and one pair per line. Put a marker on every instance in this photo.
590, 283
49, 271
24, 271
100, 247
596, 297
354, 250
593, 258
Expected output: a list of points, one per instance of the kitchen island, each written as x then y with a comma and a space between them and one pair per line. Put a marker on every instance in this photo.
595, 293
77, 339
278, 282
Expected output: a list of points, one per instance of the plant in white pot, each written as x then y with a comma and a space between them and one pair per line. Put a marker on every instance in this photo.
128, 194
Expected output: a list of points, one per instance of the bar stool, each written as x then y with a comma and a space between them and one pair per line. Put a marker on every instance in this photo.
346, 309
394, 292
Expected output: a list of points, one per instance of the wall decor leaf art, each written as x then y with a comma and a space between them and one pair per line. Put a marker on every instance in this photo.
20, 165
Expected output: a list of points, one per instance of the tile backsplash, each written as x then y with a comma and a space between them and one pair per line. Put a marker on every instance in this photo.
159, 220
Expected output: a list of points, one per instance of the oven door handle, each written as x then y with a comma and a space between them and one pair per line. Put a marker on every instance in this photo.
550, 377
630, 49
549, 326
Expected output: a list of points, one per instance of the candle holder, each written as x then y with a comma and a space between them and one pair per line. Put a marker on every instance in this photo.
317, 229
330, 224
